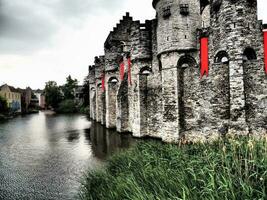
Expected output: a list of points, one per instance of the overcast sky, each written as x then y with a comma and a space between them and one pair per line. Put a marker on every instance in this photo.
42, 40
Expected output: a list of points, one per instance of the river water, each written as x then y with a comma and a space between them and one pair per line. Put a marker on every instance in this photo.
44, 156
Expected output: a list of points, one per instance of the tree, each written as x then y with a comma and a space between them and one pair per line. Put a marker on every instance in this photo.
3, 105
69, 87
53, 94
85, 91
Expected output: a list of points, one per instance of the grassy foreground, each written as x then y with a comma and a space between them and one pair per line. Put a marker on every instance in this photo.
226, 169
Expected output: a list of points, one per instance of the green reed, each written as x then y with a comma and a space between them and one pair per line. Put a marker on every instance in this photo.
232, 168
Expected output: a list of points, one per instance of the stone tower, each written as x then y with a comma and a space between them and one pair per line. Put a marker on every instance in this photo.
178, 21
236, 48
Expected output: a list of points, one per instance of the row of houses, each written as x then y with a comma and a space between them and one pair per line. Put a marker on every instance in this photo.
22, 100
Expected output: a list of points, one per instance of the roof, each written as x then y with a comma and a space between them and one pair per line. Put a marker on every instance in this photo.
12, 89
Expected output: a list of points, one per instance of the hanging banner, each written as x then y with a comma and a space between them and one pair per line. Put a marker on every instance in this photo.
122, 70
204, 56
129, 71
103, 82
265, 49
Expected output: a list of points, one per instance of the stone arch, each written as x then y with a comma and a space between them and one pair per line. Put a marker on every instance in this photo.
93, 103
254, 86
122, 113
220, 100
188, 83
249, 54
143, 96
145, 71
112, 89
100, 104
113, 80
221, 57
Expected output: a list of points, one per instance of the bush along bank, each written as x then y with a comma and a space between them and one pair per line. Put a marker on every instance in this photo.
225, 169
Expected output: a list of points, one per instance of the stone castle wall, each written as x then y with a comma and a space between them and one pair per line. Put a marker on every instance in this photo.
162, 93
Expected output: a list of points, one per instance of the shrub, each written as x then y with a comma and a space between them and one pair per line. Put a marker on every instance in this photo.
67, 106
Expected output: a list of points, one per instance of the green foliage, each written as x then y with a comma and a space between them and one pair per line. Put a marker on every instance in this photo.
67, 106
86, 93
53, 95
226, 169
68, 88
84, 110
3, 105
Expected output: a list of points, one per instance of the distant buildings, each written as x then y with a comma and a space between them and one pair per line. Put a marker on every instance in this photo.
13, 97
40, 96
22, 100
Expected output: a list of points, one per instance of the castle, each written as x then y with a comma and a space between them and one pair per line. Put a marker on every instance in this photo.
197, 71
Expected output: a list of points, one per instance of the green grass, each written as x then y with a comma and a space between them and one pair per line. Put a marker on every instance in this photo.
225, 169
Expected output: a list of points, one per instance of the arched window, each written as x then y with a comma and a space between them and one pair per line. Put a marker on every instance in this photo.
221, 57
145, 71
186, 61
113, 81
249, 54
93, 89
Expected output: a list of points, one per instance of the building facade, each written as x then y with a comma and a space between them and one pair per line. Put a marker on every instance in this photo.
12, 96
195, 72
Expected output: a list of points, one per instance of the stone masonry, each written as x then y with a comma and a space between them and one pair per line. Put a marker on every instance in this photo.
160, 91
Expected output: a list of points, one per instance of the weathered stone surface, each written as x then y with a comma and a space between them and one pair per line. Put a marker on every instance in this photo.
162, 94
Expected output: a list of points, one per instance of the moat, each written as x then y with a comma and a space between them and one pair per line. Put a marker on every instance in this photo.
44, 156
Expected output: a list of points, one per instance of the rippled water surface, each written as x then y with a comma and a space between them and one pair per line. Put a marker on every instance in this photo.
44, 156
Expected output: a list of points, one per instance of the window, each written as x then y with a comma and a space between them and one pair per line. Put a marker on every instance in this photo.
113, 81
184, 9
221, 57
166, 12
249, 54
145, 71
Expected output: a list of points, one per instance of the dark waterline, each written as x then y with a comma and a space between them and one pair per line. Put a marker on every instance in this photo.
45, 156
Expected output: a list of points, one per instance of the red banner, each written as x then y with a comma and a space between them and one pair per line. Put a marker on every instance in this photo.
122, 70
129, 71
265, 49
103, 81
204, 56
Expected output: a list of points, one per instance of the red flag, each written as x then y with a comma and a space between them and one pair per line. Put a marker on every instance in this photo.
122, 70
265, 49
103, 81
204, 56
129, 71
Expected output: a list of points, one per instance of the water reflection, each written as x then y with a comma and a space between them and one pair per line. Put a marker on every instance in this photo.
106, 142
44, 156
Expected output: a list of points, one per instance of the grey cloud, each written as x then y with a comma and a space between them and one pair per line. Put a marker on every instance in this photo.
32, 23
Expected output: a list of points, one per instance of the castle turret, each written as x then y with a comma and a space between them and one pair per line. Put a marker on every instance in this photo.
236, 40
177, 46
178, 21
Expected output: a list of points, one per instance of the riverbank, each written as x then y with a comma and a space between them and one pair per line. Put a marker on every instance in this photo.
7, 116
226, 169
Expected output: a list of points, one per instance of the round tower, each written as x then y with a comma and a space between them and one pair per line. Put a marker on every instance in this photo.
178, 21
235, 39
234, 25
